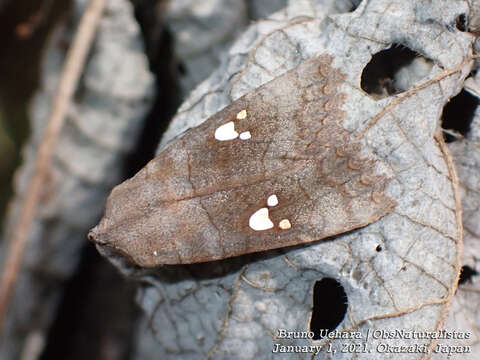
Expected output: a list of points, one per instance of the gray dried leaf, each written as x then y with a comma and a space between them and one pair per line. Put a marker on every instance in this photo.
466, 303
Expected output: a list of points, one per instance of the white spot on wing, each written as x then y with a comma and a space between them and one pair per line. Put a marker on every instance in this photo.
226, 132
285, 224
260, 221
272, 200
245, 135
242, 115
155, 253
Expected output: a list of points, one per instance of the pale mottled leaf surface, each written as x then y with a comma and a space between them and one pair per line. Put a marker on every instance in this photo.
231, 309
466, 303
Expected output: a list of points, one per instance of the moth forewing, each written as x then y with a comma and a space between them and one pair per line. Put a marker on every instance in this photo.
275, 168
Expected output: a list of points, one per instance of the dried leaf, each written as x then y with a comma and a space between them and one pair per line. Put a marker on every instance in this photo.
466, 303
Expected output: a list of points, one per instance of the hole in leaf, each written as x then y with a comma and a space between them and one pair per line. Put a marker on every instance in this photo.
461, 22
347, 6
378, 248
355, 4
329, 307
393, 71
458, 115
466, 274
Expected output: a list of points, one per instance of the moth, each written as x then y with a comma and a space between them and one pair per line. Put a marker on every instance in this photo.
275, 168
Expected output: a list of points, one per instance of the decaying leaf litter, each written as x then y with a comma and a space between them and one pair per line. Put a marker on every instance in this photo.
362, 272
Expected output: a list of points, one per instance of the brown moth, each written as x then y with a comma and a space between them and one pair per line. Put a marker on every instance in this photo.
275, 168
